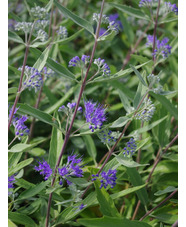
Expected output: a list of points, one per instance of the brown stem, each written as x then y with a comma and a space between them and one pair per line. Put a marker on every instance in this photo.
136, 210
175, 224
21, 78
139, 151
165, 200
157, 159
127, 59
51, 15
75, 112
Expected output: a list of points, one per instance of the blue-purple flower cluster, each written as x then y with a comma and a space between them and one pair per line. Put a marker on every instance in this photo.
144, 3
73, 167
70, 106
11, 181
107, 178
47, 73
102, 66
130, 148
95, 115
107, 137
62, 32
77, 62
147, 111
18, 122
33, 78
39, 12
44, 169
162, 47
171, 7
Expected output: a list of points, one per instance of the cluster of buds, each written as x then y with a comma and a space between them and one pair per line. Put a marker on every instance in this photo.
39, 13
102, 66
147, 111
62, 32
77, 62
130, 148
154, 83
107, 137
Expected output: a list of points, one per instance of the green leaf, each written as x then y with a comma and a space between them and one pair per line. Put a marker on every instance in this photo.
125, 101
12, 90
136, 180
19, 218
126, 191
128, 162
165, 191
78, 20
56, 143
37, 152
107, 206
33, 190
21, 165
59, 69
79, 181
13, 158
11, 224
91, 148
14, 37
22, 147
109, 37
38, 114
139, 75
40, 63
49, 5
130, 11
167, 104
120, 122
110, 222
40, 44
139, 94
67, 40
61, 101
119, 75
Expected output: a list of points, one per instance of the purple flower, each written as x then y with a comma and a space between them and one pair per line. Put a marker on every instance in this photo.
95, 114
130, 148
162, 48
107, 137
44, 169
11, 181
102, 66
113, 17
102, 31
47, 72
73, 167
14, 117
114, 26
107, 178
171, 7
82, 206
76, 62
71, 105
33, 78
62, 32
145, 3
20, 128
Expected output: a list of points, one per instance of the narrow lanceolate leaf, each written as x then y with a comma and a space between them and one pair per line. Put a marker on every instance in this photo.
130, 11
21, 147
128, 162
91, 148
120, 74
139, 75
165, 191
167, 104
65, 41
107, 206
40, 63
14, 37
78, 20
22, 219
56, 143
110, 222
38, 114
59, 69
33, 190
20, 166
136, 180
120, 122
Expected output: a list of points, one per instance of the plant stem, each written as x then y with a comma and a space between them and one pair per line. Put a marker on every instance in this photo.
21, 78
157, 159
165, 200
175, 224
12, 141
140, 138
75, 112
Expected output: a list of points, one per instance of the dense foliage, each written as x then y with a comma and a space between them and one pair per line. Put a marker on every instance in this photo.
92, 113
